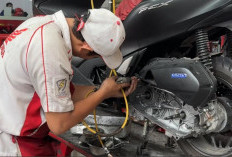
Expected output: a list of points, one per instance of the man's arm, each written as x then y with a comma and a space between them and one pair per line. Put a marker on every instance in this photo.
81, 92
61, 122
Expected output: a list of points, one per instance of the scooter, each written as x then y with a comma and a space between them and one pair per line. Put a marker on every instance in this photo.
181, 51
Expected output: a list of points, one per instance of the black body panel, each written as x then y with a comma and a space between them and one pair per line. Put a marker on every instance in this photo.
69, 7
187, 79
221, 16
153, 21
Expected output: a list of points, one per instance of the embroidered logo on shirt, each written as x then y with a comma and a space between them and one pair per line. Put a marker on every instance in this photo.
61, 84
61, 88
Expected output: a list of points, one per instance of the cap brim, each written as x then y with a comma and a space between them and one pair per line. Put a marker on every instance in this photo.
114, 60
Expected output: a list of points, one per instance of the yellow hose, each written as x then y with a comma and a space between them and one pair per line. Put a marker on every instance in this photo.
114, 6
92, 4
95, 121
127, 108
124, 95
87, 126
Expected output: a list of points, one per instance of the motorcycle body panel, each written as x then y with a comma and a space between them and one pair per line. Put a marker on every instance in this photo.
187, 79
69, 7
221, 16
153, 21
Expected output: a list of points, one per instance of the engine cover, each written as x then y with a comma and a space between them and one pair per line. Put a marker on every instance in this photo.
188, 79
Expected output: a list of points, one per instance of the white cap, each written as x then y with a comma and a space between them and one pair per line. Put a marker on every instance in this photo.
104, 33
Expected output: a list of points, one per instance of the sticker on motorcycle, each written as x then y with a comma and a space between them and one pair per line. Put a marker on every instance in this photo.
179, 75
155, 6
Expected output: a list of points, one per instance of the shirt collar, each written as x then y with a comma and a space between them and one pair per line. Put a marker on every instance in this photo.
60, 20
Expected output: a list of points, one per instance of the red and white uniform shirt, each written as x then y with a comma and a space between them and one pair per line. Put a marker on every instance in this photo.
35, 74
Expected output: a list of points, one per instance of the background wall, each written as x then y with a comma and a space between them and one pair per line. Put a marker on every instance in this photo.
26, 5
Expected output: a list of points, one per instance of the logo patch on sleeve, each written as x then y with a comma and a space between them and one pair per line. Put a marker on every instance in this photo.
61, 88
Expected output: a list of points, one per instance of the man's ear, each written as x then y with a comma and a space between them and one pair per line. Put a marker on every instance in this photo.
86, 46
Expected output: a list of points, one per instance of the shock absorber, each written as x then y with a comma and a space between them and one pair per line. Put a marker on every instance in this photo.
202, 41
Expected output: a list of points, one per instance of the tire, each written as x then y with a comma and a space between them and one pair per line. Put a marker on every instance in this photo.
223, 73
200, 146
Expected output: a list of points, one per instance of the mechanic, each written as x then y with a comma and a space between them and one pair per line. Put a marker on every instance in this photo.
36, 95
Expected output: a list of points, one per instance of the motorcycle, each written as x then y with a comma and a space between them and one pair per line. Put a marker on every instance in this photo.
182, 53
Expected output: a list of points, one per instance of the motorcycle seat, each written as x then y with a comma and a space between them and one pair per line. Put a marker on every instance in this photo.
69, 7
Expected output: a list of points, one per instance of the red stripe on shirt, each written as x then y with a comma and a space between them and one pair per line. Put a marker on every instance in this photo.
33, 118
45, 78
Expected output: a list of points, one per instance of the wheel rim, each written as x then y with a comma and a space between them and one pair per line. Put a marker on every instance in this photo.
213, 144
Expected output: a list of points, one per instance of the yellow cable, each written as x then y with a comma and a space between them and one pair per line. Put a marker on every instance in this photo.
95, 121
91, 91
111, 72
83, 122
115, 74
87, 126
124, 95
114, 6
126, 102
94, 111
127, 109
92, 4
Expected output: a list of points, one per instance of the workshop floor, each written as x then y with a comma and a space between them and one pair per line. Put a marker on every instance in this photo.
156, 145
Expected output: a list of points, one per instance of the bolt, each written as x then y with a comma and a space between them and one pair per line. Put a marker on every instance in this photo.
188, 127
208, 124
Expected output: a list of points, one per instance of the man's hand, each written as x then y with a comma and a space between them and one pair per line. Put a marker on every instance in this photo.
59, 122
111, 89
133, 85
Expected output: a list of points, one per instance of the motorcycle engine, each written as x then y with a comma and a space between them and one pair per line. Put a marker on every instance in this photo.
180, 120
177, 95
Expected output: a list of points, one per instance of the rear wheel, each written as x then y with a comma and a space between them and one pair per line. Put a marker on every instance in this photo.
214, 144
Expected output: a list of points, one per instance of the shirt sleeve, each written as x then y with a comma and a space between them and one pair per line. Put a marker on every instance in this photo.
49, 68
